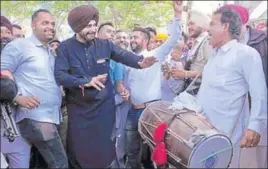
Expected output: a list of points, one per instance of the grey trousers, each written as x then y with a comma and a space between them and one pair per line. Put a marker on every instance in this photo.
45, 137
121, 118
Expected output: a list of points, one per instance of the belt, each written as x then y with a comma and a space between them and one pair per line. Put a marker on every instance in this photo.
143, 105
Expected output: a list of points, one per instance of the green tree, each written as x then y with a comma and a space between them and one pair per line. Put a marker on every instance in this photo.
124, 14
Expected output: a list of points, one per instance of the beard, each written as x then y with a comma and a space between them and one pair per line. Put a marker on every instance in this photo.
4, 41
87, 36
197, 32
136, 48
123, 45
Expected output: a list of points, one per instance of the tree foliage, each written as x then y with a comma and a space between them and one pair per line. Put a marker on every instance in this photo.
124, 14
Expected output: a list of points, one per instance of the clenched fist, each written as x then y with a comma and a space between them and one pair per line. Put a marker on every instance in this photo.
250, 139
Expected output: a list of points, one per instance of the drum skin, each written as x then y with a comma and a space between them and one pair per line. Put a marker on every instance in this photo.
181, 146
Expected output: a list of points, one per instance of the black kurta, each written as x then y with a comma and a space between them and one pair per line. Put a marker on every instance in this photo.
91, 117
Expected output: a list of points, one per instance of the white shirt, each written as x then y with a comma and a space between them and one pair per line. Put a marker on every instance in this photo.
3, 162
145, 84
230, 73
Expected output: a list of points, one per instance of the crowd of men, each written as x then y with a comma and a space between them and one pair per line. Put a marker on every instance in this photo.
79, 100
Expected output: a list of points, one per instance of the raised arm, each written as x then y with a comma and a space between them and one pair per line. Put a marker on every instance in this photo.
130, 59
174, 33
125, 57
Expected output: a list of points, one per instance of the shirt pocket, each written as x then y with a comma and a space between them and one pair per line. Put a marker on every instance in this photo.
102, 65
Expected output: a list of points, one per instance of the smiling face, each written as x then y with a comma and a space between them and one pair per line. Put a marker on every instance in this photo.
5, 33
89, 32
122, 39
216, 30
138, 42
194, 30
43, 26
107, 32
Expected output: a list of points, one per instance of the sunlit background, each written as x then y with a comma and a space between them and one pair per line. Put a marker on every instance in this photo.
123, 13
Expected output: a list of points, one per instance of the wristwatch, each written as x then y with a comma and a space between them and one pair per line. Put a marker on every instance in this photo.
186, 75
14, 100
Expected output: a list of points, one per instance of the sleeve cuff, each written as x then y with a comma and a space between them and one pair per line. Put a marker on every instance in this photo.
255, 126
83, 81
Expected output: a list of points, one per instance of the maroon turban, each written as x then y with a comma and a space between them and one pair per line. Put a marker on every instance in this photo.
241, 10
80, 16
6, 23
54, 40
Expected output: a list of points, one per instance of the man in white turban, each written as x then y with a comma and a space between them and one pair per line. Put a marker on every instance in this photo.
198, 24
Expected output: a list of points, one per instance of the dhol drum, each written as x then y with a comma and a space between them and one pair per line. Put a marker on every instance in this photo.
191, 141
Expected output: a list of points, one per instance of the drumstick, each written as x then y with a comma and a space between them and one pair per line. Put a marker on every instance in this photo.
228, 148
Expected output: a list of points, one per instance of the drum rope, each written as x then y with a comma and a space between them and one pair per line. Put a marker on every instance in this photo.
190, 85
223, 150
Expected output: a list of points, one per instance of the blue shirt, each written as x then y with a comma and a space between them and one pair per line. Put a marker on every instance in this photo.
116, 74
32, 65
116, 71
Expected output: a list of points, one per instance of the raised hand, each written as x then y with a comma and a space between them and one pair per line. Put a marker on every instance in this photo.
147, 62
178, 8
97, 82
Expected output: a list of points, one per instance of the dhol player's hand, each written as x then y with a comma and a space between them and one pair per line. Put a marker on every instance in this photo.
250, 139
177, 73
97, 82
147, 62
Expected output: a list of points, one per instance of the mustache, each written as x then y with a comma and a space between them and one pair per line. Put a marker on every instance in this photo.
88, 33
52, 31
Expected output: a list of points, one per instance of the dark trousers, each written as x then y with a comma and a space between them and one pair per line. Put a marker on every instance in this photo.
133, 139
137, 153
45, 137
146, 157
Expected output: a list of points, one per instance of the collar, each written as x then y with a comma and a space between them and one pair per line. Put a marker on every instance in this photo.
145, 51
34, 39
228, 45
